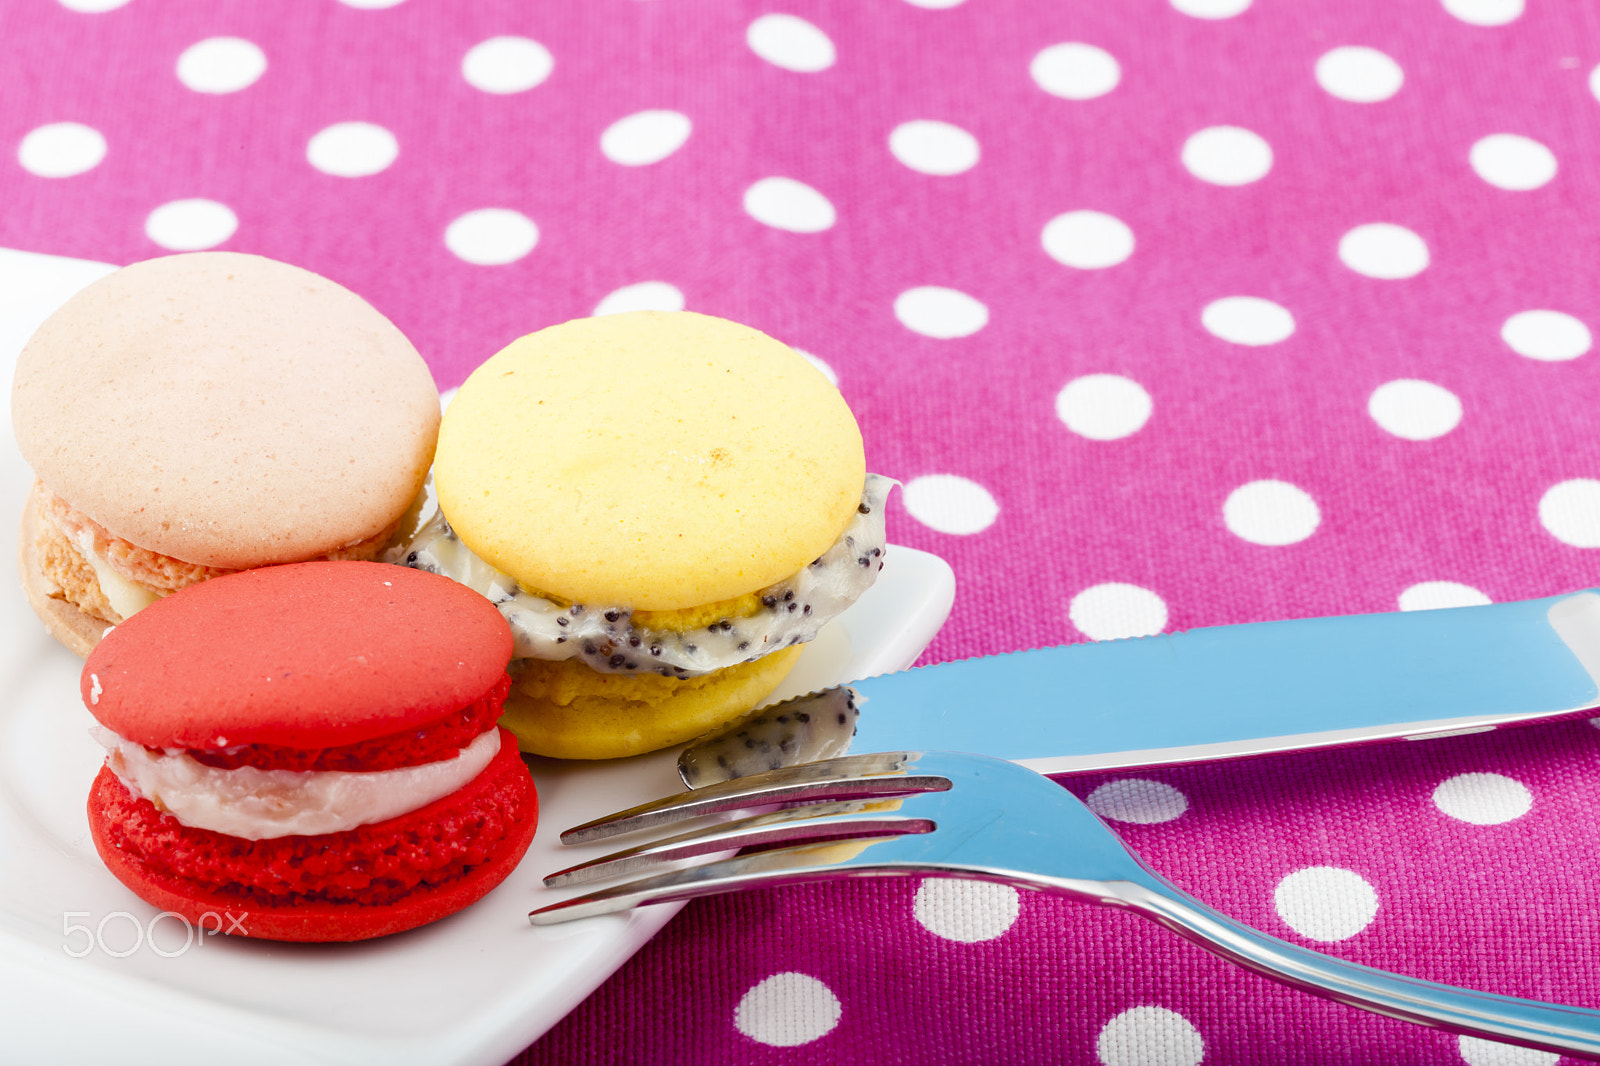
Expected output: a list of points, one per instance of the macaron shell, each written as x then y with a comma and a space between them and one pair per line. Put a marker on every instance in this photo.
227, 410
656, 460
80, 632
304, 655
318, 921
602, 724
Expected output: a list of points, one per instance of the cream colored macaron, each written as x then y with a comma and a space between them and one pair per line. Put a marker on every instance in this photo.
203, 413
669, 471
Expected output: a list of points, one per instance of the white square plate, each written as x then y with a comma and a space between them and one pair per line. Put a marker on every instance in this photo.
474, 988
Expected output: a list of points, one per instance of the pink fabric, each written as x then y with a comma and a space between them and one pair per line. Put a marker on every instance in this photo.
1506, 905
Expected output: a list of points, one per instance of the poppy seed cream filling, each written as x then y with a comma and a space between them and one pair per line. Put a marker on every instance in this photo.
257, 804
617, 639
112, 578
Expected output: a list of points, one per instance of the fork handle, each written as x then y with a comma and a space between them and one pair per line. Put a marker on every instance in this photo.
1547, 1026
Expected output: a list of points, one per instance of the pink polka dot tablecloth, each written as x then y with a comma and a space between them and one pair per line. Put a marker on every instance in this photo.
1165, 313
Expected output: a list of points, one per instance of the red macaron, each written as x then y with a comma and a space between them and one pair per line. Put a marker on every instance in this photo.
312, 747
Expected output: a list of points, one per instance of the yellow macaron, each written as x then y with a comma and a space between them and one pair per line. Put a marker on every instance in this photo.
652, 498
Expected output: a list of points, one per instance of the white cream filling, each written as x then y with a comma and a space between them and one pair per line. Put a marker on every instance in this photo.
261, 804
126, 597
604, 637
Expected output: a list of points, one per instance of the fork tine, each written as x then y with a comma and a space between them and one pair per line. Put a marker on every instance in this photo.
850, 777
791, 865
858, 818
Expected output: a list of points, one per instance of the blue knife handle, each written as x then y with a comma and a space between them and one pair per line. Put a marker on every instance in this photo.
1235, 690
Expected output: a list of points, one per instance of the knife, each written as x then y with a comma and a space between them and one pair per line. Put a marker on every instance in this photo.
1212, 693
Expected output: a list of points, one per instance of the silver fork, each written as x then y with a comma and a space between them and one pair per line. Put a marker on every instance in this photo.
955, 815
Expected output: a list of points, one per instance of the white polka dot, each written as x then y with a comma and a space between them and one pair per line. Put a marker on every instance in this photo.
1075, 71
949, 503
492, 236
1547, 335
190, 225
1508, 161
827, 371
61, 150
1116, 610
1211, 9
1594, 82
1359, 75
1476, 1051
1433, 595
1415, 410
930, 147
645, 137
790, 42
1570, 511
1483, 799
934, 311
352, 149
642, 296
1138, 800
1149, 1036
503, 65
1484, 12
1087, 240
1103, 406
1272, 513
221, 65
787, 1010
936, 5
1325, 903
965, 910
1248, 320
1227, 155
92, 7
784, 203
1383, 250
371, 5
